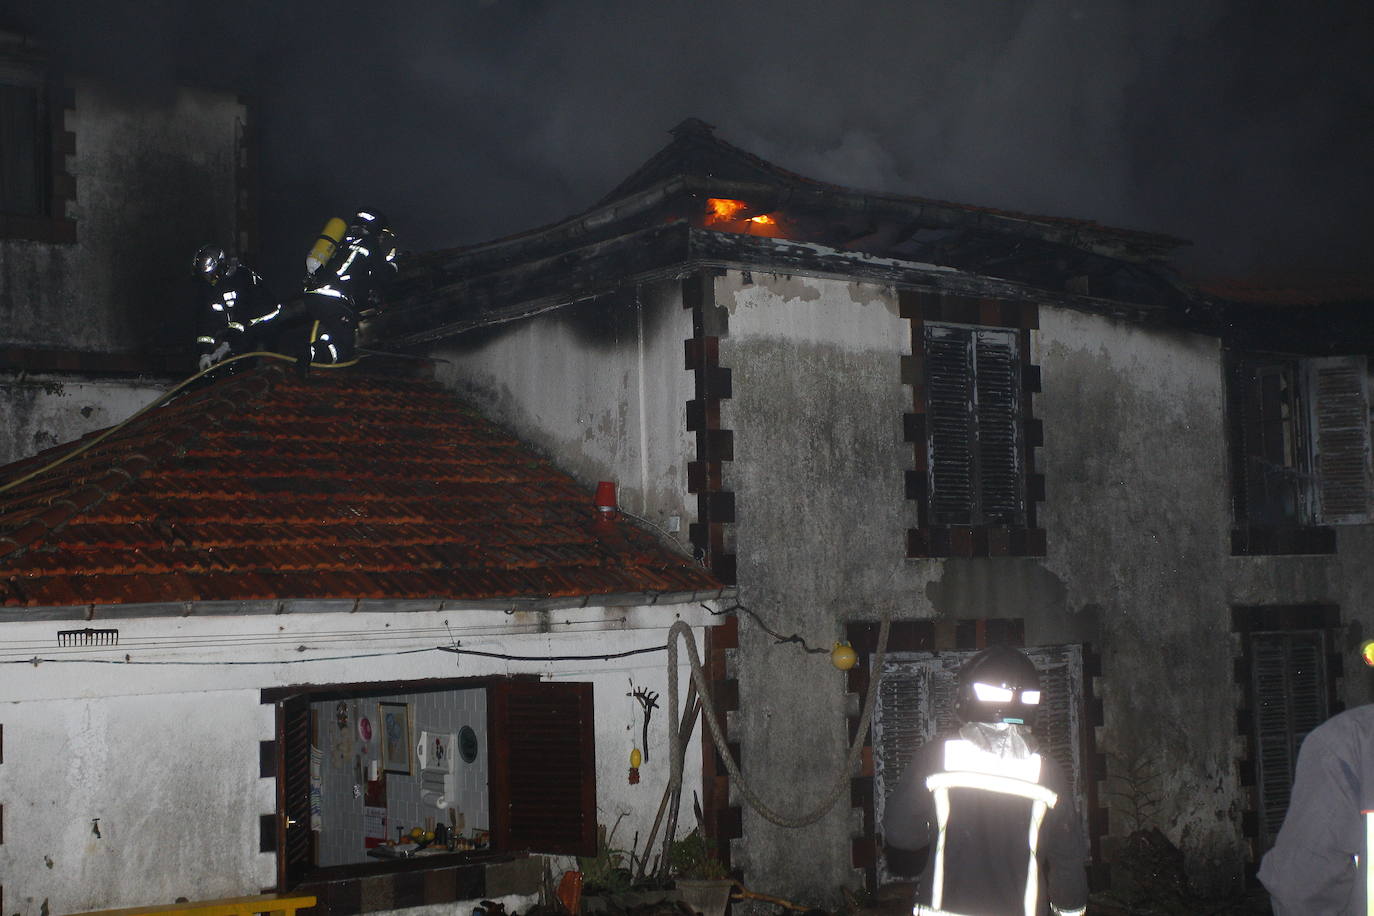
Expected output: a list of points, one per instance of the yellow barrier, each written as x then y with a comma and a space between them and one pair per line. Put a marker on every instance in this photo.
230, 906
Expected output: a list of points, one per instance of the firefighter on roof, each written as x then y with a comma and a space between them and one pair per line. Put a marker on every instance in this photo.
345, 275
236, 310
999, 819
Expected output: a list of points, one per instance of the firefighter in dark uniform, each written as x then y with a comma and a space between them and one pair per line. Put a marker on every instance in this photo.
998, 819
236, 310
348, 283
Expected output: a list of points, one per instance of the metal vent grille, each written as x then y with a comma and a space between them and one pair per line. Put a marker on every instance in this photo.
88, 637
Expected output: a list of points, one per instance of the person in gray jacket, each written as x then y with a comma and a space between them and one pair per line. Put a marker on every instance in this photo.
1319, 863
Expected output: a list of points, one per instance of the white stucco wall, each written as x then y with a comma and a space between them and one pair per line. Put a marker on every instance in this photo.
1138, 516
600, 384
820, 538
39, 412
159, 736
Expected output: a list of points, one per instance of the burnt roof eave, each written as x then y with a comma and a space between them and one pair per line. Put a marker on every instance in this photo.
1122, 244
522, 290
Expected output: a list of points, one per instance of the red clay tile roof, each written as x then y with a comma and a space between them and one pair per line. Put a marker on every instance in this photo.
264, 486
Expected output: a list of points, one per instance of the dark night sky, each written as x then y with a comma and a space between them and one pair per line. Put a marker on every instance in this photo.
1247, 127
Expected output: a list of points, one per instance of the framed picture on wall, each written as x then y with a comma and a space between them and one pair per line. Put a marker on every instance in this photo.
395, 737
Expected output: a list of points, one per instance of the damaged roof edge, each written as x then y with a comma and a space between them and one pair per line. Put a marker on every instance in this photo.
1126, 244
676, 250
85, 612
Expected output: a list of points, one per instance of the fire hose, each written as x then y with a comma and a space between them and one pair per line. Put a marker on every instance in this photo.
680, 727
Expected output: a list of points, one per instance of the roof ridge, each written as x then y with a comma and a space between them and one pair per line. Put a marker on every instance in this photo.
86, 494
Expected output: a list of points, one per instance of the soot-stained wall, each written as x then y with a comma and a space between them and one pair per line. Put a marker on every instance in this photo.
600, 385
1136, 513
155, 179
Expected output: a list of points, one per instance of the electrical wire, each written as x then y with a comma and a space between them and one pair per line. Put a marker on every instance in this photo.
778, 638
606, 656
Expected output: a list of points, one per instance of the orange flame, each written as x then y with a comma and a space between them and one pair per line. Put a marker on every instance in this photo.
725, 210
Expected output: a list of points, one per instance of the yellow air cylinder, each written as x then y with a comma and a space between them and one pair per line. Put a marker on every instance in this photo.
330, 237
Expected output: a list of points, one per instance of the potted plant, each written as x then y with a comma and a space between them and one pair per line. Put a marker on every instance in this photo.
700, 876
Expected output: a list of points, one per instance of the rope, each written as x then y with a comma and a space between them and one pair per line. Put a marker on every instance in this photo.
681, 629
157, 402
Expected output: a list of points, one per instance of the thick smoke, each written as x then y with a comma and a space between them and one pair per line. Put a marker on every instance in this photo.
1244, 127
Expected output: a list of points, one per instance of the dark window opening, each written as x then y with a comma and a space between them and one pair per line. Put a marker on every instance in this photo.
506, 764
23, 151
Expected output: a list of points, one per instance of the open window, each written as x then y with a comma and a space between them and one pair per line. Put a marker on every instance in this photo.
505, 764
1300, 451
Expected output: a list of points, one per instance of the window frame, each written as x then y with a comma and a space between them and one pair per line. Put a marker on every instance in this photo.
514, 755
1262, 770
24, 66
1287, 416
1000, 324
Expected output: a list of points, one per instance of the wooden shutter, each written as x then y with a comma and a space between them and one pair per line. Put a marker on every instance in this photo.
950, 424
295, 840
997, 381
1339, 408
1289, 697
543, 767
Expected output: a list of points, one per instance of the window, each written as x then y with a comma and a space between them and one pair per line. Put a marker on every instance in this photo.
529, 785
916, 705
971, 426
34, 183
23, 153
1287, 675
1299, 431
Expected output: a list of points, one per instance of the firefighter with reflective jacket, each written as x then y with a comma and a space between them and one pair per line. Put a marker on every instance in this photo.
237, 312
999, 819
345, 277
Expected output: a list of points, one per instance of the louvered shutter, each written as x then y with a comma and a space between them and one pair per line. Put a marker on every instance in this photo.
999, 444
543, 767
295, 839
1339, 407
1289, 693
950, 424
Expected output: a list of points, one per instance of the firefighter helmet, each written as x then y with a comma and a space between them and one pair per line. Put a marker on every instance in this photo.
366, 222
211, 263
999, 684
372, 219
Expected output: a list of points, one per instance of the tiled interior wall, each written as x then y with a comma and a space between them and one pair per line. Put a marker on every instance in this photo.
346, 757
